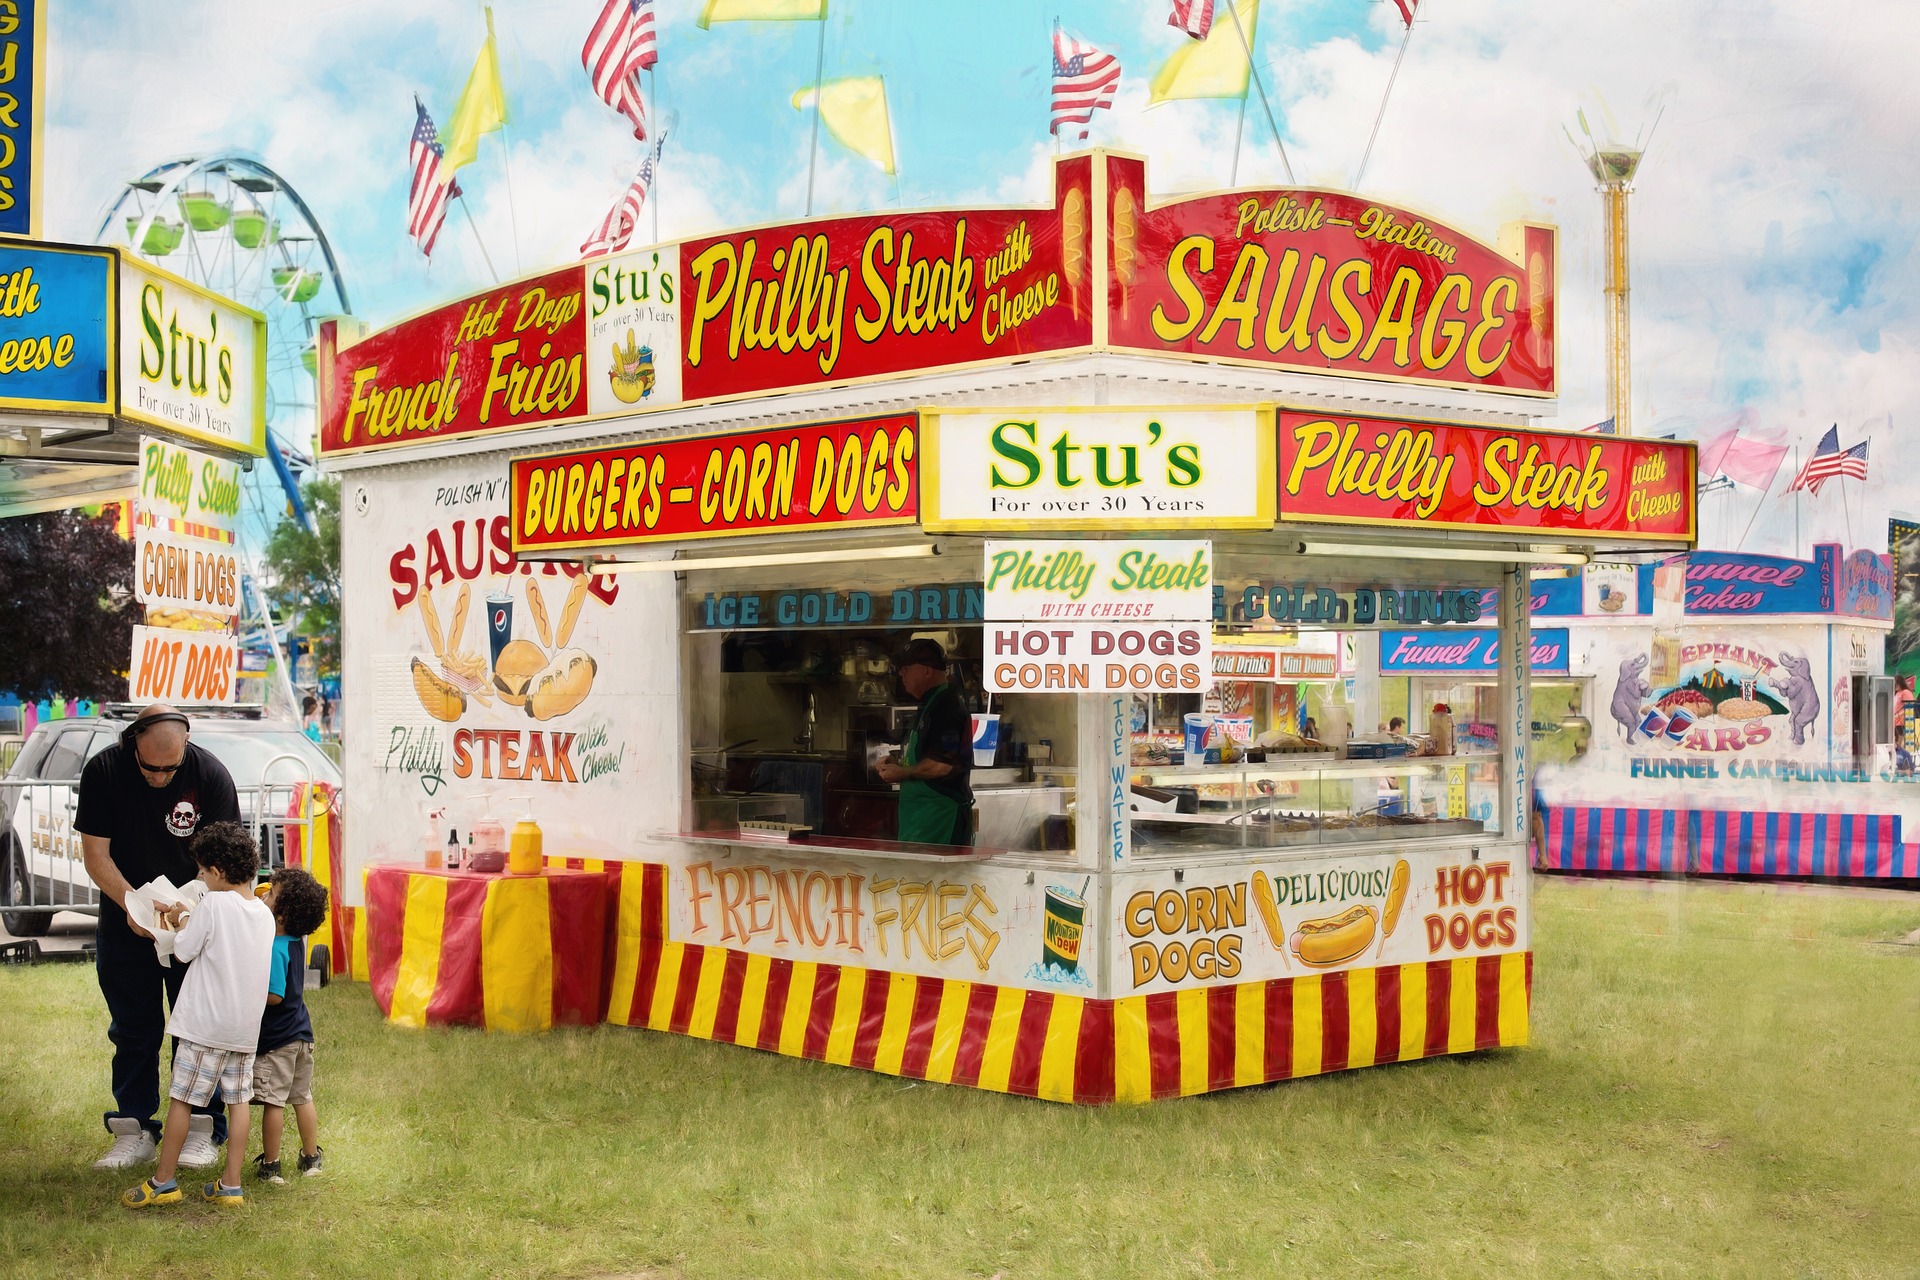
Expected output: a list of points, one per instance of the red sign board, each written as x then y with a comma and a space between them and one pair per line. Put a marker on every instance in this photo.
1349, 469
512, 357
1231, 662
848, 298
834, 475
1328, 283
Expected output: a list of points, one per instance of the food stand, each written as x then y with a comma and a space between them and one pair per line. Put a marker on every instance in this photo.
1740, 724
1085, 449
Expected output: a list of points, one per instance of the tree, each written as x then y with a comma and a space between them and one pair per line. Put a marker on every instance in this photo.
66, 611
305, 569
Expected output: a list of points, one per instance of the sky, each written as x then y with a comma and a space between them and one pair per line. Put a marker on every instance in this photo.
1774, 218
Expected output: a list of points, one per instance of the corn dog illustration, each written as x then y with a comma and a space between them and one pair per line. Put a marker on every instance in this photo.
1270, 915
1396, 898
1126, 245
537, 605
1073, 244
570, 612
459, 618
432, 617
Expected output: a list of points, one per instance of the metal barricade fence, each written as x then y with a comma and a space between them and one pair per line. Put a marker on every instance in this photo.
43, 867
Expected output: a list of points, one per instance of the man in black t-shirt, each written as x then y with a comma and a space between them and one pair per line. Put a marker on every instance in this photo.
140, 802
936, 800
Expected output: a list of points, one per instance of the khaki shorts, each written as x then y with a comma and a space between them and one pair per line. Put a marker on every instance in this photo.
284, 1078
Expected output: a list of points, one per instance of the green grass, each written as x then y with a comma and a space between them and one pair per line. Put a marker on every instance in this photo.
1723, 1082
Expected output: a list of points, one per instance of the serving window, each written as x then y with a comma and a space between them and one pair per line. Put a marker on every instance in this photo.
794, 702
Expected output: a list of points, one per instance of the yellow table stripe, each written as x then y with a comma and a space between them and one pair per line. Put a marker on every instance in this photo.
793, 1023
1250, 1033
1132, 1067
1060, 1053
897, 1022
1514, 1014
753, 1000
996, 1064
419, 969
361, 969
666, 985
1306, 1025
626, 1008
947, 1025
706, 996
1413, 1011
1460, 999
847, 1000
1190, 1025
516, 955
1363, 1021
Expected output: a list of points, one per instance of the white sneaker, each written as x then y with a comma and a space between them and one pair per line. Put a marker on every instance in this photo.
132, 1145
198, 1151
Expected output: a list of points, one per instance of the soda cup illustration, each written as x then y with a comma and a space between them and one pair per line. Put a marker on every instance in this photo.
499, 623
1678, 724
1066, 917
1654, 724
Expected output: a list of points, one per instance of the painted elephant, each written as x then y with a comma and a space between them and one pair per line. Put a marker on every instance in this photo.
1802, 695
1630, 695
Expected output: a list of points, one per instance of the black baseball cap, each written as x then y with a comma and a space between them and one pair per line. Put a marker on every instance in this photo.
922, 652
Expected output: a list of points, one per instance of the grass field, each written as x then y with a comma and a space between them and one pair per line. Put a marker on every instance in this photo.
1723, 1081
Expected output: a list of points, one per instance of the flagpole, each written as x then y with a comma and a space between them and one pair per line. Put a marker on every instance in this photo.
1254, 73
1239, 127
1053, 53
1382, 113
475, 228
654, 195
1796, 503
513, 220
1763, 500
819, 70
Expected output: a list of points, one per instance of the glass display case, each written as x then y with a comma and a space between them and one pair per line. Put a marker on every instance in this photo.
1305, 804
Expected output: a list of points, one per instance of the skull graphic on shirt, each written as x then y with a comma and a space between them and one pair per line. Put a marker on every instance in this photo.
183, 819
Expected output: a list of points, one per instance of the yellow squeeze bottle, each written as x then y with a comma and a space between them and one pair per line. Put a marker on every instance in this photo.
524, 857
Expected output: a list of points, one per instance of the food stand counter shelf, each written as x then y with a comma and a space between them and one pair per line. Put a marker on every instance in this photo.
494, 950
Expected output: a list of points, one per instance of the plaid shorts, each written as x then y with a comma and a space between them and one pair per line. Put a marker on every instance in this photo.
199, 1071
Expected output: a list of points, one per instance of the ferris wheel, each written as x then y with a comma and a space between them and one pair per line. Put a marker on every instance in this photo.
233, 225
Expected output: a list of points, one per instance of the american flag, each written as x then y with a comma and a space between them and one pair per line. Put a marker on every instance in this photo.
1195, 17
1406, 8
1829, 460
617, 228
621, 46
1083, 81
430, 197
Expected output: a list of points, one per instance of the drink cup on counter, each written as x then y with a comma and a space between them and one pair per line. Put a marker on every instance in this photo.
1199, 726
986, 739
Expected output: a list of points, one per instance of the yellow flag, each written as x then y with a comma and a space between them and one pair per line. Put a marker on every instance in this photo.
482, 109
1212, 68
762, 11
855, 111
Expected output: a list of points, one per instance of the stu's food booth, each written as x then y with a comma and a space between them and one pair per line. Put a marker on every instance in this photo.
728, 561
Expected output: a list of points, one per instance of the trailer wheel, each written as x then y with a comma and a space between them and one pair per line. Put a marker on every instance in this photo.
17, 892
322, 959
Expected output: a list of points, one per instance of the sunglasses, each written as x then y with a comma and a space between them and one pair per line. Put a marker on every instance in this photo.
159, 768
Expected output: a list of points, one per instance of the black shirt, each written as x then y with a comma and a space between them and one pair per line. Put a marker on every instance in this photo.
286, 1022
148, 827
946, 735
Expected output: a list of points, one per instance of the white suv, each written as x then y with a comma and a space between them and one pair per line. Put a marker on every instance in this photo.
42, 869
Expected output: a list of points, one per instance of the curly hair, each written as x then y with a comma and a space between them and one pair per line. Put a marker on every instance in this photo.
299, 901
227, 848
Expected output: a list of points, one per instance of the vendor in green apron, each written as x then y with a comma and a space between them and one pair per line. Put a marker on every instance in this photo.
936, 804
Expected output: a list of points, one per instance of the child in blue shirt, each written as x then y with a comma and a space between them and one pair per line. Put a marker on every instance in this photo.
283, 1070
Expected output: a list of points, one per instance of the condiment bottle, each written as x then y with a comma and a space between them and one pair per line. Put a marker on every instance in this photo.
431, 855
489, 842
453, 859
524, 857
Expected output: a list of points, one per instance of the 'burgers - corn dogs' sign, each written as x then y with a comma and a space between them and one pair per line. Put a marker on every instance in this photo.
1321, 915
1351, 469
834, 475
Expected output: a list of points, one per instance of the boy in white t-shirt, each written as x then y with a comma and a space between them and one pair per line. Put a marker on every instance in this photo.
228, 938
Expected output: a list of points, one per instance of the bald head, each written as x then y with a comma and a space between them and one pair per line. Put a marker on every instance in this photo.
159, 748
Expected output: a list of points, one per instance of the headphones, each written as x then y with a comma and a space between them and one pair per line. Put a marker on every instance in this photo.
131, 734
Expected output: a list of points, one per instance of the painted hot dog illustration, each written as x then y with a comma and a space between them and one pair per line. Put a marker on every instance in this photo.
1334, 940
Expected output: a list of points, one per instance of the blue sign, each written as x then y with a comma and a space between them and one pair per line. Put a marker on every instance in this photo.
54, 345
1474, 652
1735, 584
22, 51
815, 610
